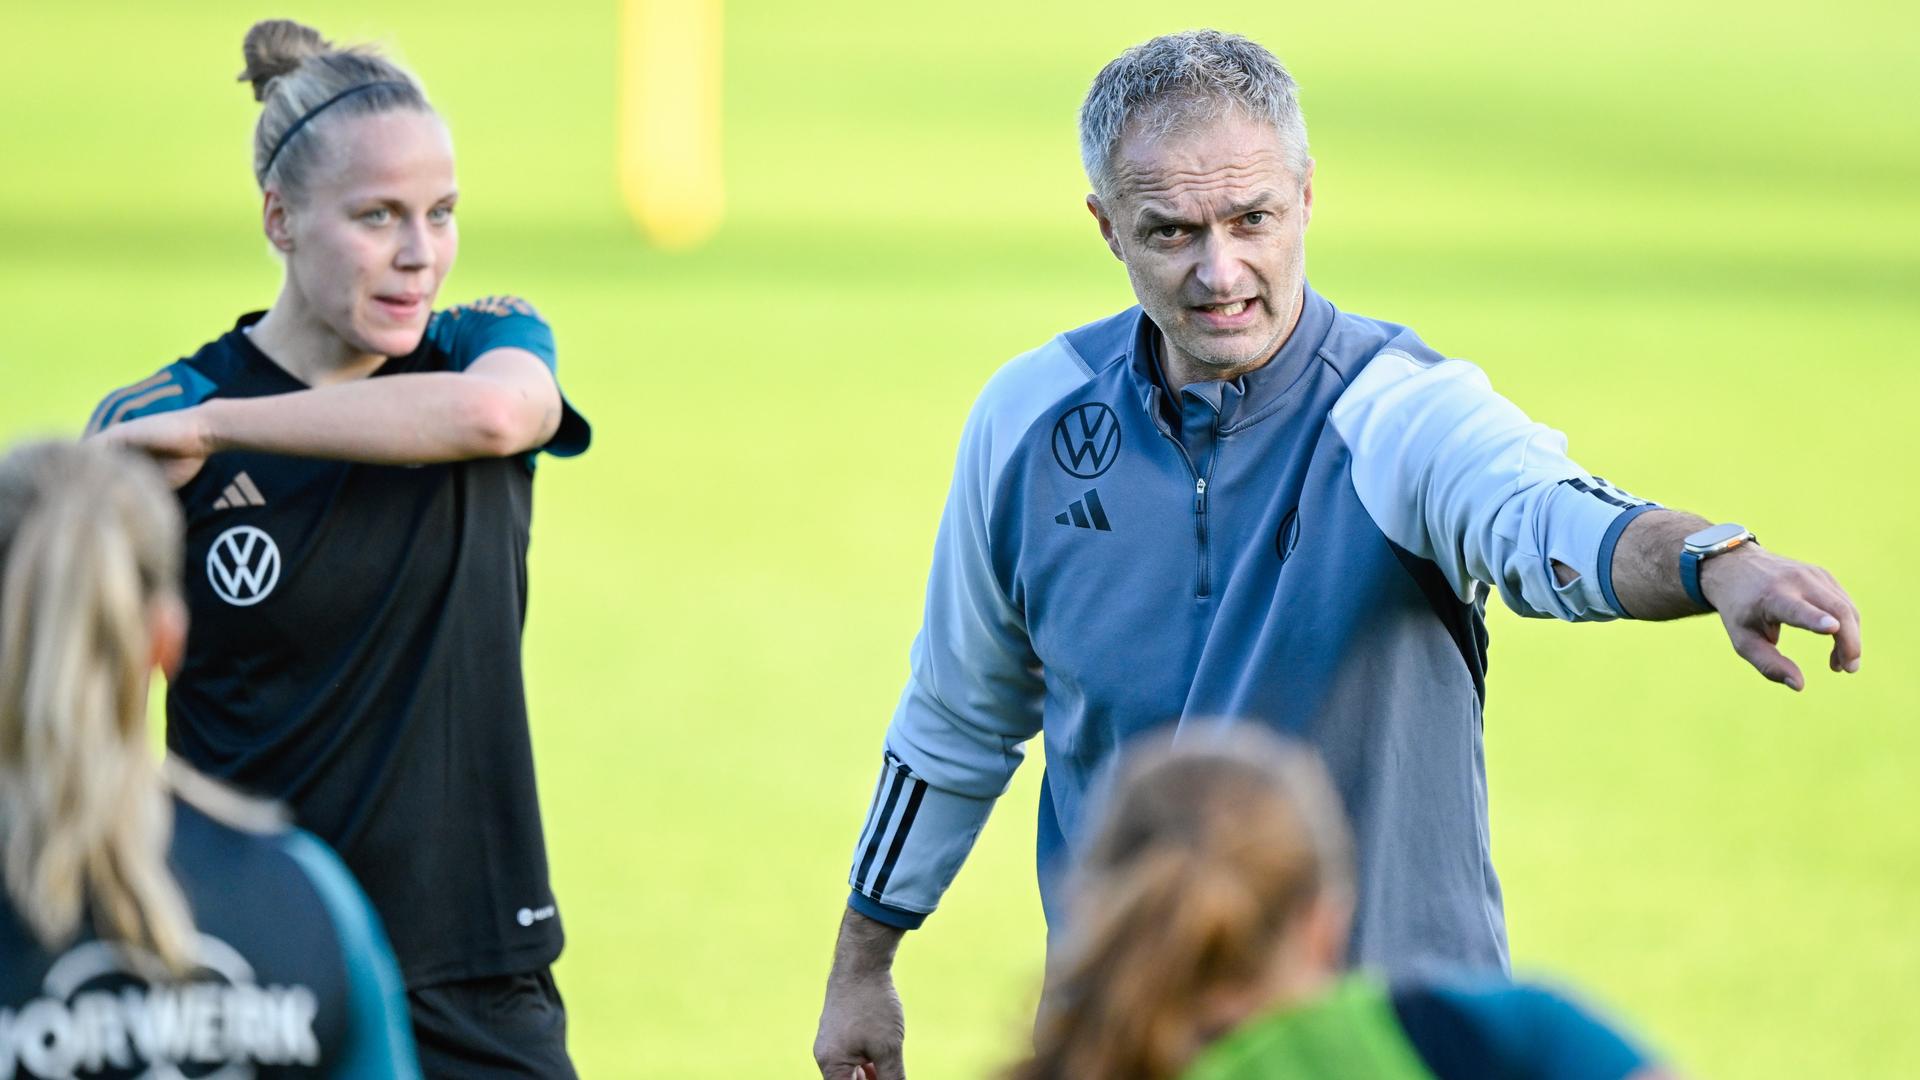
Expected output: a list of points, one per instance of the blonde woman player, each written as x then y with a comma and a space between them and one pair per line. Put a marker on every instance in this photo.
151, 926
1210, 933
357, 474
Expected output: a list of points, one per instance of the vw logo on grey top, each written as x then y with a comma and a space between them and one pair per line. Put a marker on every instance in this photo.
1086, 441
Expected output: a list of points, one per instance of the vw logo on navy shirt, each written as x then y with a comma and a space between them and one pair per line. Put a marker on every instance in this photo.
1086, 441
243, 565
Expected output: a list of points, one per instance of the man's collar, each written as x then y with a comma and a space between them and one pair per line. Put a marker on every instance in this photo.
1244, 398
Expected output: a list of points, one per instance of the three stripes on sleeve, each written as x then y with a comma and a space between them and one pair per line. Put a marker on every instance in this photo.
176, 386
896, 803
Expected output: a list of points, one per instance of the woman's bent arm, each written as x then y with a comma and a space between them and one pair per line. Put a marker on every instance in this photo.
506, 402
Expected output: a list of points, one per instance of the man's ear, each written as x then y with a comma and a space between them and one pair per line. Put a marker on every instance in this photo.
273, 221
1306, 195
1099, 213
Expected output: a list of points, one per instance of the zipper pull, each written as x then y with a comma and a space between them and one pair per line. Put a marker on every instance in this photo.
1200, 492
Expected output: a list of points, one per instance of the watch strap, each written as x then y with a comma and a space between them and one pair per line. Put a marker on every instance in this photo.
1690, 578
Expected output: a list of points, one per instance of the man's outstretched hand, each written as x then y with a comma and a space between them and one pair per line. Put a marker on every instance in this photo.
1757, 592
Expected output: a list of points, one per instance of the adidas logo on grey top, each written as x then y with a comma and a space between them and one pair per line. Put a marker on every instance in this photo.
240, 493
1085, 513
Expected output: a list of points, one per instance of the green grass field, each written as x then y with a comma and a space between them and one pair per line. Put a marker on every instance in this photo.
1685, 234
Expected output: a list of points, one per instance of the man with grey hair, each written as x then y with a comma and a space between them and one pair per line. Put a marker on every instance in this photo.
1236, 501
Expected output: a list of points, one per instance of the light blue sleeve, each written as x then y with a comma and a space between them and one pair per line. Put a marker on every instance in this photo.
379, 1031
974, 692
1460, 476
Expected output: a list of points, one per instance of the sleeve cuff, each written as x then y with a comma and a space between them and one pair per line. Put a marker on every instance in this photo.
885, 914
574, 434
1610, 540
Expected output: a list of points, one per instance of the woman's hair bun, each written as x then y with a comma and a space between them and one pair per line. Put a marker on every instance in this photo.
274, 48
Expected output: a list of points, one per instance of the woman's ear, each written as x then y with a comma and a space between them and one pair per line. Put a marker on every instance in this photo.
1325, 927
167, 630
273, 220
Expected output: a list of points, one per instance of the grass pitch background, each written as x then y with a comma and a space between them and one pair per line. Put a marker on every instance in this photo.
1684, 234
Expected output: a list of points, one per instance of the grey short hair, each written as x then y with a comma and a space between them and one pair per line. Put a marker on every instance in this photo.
1179, 79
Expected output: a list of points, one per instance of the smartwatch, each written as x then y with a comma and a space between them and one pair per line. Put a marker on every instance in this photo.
1703, 545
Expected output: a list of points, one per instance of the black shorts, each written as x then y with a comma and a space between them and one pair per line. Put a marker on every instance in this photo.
505, 1026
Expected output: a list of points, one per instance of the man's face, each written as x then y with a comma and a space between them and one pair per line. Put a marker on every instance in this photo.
1211, 222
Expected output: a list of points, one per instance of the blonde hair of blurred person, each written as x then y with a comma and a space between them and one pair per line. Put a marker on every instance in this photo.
130, 883
89, 606
1217, 891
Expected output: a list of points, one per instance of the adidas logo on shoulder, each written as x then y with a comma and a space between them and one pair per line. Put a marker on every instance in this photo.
240, 493
1085, 512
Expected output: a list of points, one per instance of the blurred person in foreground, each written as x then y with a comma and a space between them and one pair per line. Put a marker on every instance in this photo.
153, 923
357, 474
1211, 911
1236, 500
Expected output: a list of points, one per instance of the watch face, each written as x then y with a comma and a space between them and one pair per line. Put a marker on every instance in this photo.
1716, 536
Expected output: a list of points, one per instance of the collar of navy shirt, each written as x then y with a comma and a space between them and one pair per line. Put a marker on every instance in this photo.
257, 359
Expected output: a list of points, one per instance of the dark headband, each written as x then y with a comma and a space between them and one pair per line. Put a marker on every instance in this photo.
294, 129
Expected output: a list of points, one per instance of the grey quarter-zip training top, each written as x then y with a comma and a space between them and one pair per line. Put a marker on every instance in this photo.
1308, 546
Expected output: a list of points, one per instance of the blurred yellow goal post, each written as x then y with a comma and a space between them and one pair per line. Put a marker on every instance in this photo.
671, 176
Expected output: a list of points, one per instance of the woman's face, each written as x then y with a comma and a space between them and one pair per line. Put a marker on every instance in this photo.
373, 237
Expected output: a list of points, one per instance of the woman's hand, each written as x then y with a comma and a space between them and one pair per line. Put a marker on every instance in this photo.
178, 442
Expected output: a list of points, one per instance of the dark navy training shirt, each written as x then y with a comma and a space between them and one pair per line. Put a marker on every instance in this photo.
355, 652
294, 977
1471, 1029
